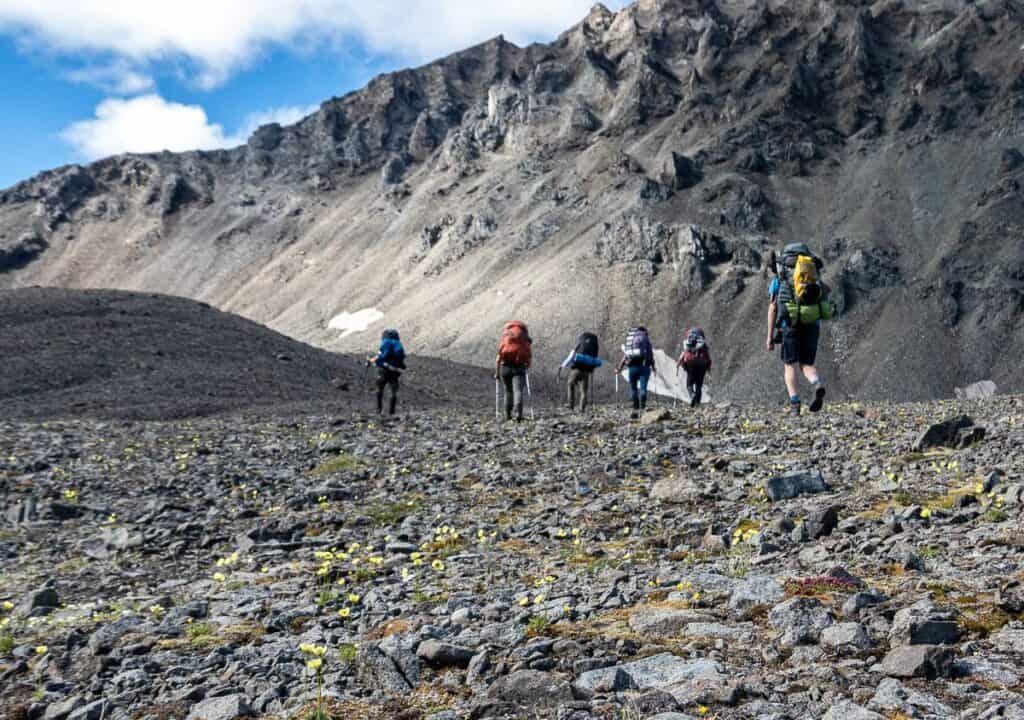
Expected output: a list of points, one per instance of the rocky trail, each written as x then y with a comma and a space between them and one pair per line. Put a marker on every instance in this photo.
728, 562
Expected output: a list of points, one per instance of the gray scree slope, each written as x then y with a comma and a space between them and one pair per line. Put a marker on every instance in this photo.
638, 168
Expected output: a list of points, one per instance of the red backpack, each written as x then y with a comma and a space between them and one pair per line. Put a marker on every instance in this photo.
515, 347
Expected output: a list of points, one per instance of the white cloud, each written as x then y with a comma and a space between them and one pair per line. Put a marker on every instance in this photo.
281, 115
144, 124
222, 36
118, 78
149, 123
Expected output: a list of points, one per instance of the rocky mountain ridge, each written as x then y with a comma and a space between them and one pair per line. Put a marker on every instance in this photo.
637, 169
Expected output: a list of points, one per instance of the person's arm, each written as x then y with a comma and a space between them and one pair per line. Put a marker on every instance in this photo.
622, 364
773, 316
679, 360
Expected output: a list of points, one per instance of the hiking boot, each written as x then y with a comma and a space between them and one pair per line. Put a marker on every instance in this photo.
634, 415
794, 409
819, 399
695, 401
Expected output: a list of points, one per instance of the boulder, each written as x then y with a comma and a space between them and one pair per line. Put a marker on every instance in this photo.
799, 621
795, 484
910, 661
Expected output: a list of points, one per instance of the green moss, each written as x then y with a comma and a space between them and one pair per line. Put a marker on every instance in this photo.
343, 462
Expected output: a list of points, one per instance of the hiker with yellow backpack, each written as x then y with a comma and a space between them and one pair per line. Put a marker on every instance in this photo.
799, 301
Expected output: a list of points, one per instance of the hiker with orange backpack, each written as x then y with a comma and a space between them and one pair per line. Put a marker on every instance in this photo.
512, 366
696, 361
799, 301
638, 356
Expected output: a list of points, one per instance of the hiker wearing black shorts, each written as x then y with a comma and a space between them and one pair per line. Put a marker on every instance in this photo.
795, 322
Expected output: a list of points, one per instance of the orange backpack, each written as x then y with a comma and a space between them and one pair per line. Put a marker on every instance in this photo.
515, 345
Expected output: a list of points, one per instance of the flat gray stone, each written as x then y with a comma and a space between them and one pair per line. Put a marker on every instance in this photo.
220, 708
893, 696
849, 710
753, 592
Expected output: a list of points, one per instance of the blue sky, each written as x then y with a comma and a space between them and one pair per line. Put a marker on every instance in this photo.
88, 78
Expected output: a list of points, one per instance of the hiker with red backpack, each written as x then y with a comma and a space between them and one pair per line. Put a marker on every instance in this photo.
638, 356
696, 361
582, 362
512, 365
799, 301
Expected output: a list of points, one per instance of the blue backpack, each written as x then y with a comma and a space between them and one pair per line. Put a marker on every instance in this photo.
391, 352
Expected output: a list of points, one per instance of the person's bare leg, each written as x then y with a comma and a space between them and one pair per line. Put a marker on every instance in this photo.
811, 373
793, 380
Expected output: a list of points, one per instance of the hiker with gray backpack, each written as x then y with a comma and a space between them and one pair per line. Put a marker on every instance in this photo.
581, 363
798, 301
638, 356
390, 364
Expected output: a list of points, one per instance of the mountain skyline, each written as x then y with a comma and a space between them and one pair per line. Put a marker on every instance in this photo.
83, 83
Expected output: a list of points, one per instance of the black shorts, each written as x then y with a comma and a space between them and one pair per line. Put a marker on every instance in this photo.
800, 344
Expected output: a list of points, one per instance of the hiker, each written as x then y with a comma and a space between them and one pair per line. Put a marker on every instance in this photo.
799, 301
511, 365
638, 356
390, 363
582, 362
696, 362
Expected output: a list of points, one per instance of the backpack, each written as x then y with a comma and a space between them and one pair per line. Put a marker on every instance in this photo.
515, 346
700, 356
803, 294
638, 346
695, 340
587, 344
391, 352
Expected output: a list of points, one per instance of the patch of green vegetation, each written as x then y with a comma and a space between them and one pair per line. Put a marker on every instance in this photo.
996, 515
387, 514
343, 462
929, 553
326, 597
6, 644
347, 652
537, 626
198, 631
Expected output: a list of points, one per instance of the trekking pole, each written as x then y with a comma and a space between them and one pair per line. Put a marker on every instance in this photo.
497, 406
529, 395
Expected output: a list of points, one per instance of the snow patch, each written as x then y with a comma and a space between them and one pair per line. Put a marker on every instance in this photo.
666, 382
357, 322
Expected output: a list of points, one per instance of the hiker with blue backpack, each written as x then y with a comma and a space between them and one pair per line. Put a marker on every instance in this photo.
638, 357
390, 363
581, 363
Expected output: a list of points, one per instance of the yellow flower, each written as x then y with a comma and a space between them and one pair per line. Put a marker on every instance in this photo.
219, 577
8, 605
42, 649
415, 556
354, 599
437, 565
695, 597
314, 664
566, 610
341, 581
344, 612
524, 601
702, 710
926, 513
539, 599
